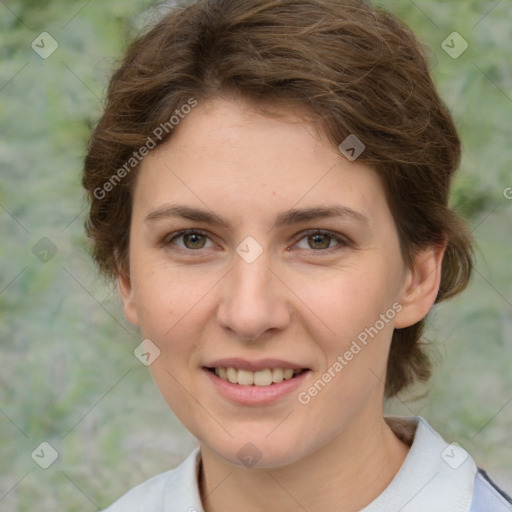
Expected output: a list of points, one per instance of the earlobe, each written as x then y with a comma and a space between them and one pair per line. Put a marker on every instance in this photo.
126, 293
421, 286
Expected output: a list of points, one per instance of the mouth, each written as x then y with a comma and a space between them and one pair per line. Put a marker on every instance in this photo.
259, 382
261, 378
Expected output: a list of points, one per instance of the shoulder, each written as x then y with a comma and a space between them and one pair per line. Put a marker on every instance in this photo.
169, 489
454, 480
145, 496
487, 496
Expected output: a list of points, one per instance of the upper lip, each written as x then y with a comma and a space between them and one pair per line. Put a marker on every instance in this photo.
254, 366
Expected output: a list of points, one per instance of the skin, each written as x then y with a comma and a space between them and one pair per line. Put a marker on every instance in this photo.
303, 300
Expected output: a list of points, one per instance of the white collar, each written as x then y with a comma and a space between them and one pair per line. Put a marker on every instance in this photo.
434, 476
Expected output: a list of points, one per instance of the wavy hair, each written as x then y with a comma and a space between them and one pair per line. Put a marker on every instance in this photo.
356, 68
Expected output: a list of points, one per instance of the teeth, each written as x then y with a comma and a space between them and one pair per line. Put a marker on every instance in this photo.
261, 378
277, 374
232, 375
287, 373
245, 378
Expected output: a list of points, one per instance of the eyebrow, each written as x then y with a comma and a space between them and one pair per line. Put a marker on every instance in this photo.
286, 218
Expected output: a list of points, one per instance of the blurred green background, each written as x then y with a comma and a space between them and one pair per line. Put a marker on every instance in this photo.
68, 375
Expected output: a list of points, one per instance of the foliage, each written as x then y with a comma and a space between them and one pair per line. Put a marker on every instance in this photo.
68, 374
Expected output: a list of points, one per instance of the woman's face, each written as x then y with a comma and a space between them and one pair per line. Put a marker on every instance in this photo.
251, 287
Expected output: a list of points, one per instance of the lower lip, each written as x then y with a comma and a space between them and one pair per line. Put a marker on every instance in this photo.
256, 395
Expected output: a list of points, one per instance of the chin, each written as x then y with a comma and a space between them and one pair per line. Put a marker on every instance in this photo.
257, 452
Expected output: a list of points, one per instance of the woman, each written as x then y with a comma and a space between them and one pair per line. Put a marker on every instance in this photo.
269, 186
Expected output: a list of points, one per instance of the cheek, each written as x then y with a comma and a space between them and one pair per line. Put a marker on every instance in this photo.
349, 301
166, 298
353, 334
173, 308
169, 310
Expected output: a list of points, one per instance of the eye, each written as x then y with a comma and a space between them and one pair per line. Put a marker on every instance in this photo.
320, 240
192, 239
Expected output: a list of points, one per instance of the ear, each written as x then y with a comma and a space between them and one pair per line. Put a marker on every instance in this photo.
126, 293
421, 286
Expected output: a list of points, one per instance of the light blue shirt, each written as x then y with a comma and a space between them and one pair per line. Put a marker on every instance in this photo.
435, 477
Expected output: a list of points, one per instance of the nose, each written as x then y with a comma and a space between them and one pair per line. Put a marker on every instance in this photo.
254, 299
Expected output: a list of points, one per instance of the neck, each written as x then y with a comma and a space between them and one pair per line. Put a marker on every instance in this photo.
345, 475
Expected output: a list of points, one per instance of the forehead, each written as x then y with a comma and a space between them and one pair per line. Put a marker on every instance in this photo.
225, 154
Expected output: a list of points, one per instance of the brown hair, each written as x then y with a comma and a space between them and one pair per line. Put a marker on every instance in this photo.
357, 69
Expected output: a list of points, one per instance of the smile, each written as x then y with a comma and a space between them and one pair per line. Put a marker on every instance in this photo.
256, 382
265, 377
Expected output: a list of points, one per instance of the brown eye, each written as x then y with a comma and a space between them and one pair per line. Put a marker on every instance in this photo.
192, 240
196, 240
319, 241
322, 241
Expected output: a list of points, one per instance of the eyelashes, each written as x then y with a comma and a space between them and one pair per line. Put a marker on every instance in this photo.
312, 234
197, 237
